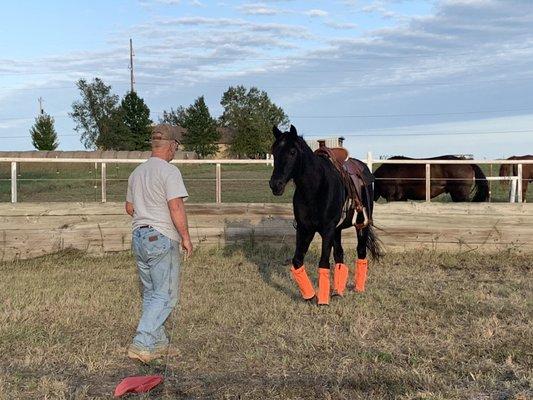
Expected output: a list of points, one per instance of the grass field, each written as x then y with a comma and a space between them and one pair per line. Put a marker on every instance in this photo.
429, 326
39, 182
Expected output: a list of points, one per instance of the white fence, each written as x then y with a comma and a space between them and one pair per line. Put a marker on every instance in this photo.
103, 169
516, 180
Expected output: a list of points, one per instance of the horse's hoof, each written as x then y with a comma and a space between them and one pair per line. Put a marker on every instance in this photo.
310, 299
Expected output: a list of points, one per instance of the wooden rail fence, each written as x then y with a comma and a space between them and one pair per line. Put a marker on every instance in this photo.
29, 230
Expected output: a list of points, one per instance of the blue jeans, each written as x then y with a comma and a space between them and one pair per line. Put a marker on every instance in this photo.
158, 263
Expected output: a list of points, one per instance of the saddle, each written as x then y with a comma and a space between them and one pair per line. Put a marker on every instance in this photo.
356, 178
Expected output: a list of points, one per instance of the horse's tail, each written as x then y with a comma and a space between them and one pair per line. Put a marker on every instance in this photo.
377, 192
481, 185
374, 245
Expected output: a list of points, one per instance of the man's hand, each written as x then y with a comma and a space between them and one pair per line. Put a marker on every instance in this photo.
129, 208
186, 246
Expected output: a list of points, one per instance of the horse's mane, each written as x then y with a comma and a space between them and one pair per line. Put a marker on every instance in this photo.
447, 157
302, 145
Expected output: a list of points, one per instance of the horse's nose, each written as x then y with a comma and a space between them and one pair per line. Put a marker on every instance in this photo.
275, 185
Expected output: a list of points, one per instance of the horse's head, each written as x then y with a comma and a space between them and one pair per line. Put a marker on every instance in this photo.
287, 153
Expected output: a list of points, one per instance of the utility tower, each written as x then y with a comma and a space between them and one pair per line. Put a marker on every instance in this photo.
132, 77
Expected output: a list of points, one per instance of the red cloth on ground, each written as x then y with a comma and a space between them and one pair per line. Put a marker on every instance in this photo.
137, 384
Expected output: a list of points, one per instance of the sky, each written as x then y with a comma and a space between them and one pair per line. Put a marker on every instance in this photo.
394, 77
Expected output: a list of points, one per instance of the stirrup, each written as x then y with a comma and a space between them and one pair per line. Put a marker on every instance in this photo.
365, 223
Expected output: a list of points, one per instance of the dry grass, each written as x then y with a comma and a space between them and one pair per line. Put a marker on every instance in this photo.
430, 326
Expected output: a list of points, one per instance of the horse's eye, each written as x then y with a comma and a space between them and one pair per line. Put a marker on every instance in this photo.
292, 152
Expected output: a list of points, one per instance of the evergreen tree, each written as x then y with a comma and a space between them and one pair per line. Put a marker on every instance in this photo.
202, 135
43, 133
173, 117
136, 117
115, 135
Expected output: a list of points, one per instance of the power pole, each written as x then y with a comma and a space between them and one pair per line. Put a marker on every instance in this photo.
41, 111
132, 78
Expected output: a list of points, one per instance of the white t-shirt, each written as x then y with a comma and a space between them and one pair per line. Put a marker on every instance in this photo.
150, 186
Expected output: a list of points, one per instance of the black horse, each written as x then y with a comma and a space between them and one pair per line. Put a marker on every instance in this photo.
318, 202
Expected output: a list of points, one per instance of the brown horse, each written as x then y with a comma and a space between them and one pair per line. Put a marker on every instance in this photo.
401, 182
527, 172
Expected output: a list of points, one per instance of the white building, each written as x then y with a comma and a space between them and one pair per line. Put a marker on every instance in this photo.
330, 142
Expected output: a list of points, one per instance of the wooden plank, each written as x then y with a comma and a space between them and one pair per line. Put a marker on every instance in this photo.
265, 209
31, 209
106, 221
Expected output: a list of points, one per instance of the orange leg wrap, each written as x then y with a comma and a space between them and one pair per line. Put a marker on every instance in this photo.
361, 270
304, 284
340, 279
323, 286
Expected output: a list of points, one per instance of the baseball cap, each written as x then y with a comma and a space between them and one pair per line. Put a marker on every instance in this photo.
165, 132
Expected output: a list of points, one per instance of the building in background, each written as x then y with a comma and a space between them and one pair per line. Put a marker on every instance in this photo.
330, 142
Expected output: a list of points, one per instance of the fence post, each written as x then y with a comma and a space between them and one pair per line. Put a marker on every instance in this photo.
103, 172
512, 190
13, 181
519, 186
218, 188
428, 182
490, 184
369, 161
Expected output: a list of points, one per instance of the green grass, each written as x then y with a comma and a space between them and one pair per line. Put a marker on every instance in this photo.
429, 326
39, 182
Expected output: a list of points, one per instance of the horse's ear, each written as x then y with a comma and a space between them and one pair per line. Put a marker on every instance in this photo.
293, 131
277, 133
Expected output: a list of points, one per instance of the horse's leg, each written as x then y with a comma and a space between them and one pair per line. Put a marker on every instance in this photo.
525, 182
338, 251
303, 240
459, 194
324, 266
361, 265
340, 273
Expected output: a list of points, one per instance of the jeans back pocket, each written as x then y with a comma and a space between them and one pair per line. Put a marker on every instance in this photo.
156, 244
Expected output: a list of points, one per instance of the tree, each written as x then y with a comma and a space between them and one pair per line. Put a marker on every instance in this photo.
43, 133
202, 135
136, 117
173, 117
251, 114
115, 135
95, 109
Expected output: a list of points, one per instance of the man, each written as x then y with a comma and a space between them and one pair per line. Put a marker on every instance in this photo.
155, 200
